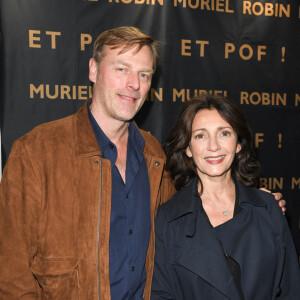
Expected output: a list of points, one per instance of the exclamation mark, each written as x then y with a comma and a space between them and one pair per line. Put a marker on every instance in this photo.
279, 140
283, 54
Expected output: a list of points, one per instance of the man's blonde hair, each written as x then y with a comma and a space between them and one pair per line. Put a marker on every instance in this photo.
126, 38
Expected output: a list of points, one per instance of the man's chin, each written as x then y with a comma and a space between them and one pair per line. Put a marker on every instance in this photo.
125, 118
128, 116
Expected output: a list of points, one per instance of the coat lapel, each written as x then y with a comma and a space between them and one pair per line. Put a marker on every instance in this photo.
202, 253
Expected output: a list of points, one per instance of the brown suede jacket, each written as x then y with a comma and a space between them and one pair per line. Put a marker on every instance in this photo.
55, 202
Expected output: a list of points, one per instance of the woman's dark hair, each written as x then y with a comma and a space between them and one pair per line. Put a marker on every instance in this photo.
182, 169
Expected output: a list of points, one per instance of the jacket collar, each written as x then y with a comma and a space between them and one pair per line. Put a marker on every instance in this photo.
85, 140
86, 143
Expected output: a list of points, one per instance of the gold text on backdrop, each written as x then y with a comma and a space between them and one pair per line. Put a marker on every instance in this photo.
266, 9
69, 92
256, 98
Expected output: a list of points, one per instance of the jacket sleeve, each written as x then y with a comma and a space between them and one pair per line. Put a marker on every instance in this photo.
161, 285
20, 194
290, 280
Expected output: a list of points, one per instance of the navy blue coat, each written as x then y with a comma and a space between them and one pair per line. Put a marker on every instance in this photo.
190, 262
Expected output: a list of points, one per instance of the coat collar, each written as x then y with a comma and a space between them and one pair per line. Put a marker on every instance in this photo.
202, 252
185, 202
182, 207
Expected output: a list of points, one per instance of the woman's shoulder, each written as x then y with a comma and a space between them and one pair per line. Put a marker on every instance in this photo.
261, 200
181, 203
255, 195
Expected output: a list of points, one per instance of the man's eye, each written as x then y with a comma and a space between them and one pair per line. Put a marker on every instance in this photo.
145, 76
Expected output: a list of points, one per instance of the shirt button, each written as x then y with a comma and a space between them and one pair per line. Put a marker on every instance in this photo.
130, 231
132, 269
157, 163
111, 146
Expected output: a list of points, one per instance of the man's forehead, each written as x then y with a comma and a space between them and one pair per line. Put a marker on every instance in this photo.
123, 49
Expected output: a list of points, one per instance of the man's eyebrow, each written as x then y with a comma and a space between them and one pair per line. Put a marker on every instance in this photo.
120, 62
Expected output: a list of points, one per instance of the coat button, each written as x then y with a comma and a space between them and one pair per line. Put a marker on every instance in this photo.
96, 162
157, 163
45, 282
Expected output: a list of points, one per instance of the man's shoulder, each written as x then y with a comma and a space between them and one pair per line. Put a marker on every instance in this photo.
45, 141
152, 145
149, 138
50, 129
57, 129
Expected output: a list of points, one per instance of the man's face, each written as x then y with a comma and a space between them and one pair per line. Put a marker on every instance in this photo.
121, 83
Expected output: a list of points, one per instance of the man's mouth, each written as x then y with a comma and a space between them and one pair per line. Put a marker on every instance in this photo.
129, 98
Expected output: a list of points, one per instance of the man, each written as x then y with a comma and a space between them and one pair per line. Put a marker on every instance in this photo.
79, 195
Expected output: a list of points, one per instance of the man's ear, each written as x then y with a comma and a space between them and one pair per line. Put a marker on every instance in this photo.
188, 152
93, 69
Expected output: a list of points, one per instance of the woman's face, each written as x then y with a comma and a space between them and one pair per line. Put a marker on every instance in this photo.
213, 144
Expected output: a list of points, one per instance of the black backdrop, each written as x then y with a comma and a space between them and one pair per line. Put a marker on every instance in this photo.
246, 50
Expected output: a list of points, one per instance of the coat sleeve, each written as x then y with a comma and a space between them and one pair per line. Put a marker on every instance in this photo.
290, 280
20, 194
161, 282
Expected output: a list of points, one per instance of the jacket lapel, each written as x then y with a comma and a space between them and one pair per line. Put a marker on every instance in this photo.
85, 140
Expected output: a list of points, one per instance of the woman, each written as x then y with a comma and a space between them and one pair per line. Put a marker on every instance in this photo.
218, 238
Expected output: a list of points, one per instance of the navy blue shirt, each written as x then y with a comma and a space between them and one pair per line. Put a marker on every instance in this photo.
130, 216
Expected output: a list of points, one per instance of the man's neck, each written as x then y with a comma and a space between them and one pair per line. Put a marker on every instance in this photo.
115, 130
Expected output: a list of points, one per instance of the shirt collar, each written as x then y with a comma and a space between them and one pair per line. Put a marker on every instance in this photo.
135, 138
102, 139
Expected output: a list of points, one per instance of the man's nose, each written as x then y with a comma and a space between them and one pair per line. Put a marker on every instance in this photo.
133, 81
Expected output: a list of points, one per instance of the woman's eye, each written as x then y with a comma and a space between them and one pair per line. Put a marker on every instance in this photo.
199, 136
225, 133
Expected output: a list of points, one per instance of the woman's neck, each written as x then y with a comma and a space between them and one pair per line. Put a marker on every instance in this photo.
218, 199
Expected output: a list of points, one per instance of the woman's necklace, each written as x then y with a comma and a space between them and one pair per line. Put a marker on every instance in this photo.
226, 211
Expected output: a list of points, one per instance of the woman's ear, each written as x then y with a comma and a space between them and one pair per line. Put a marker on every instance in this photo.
188, 152
238, 148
